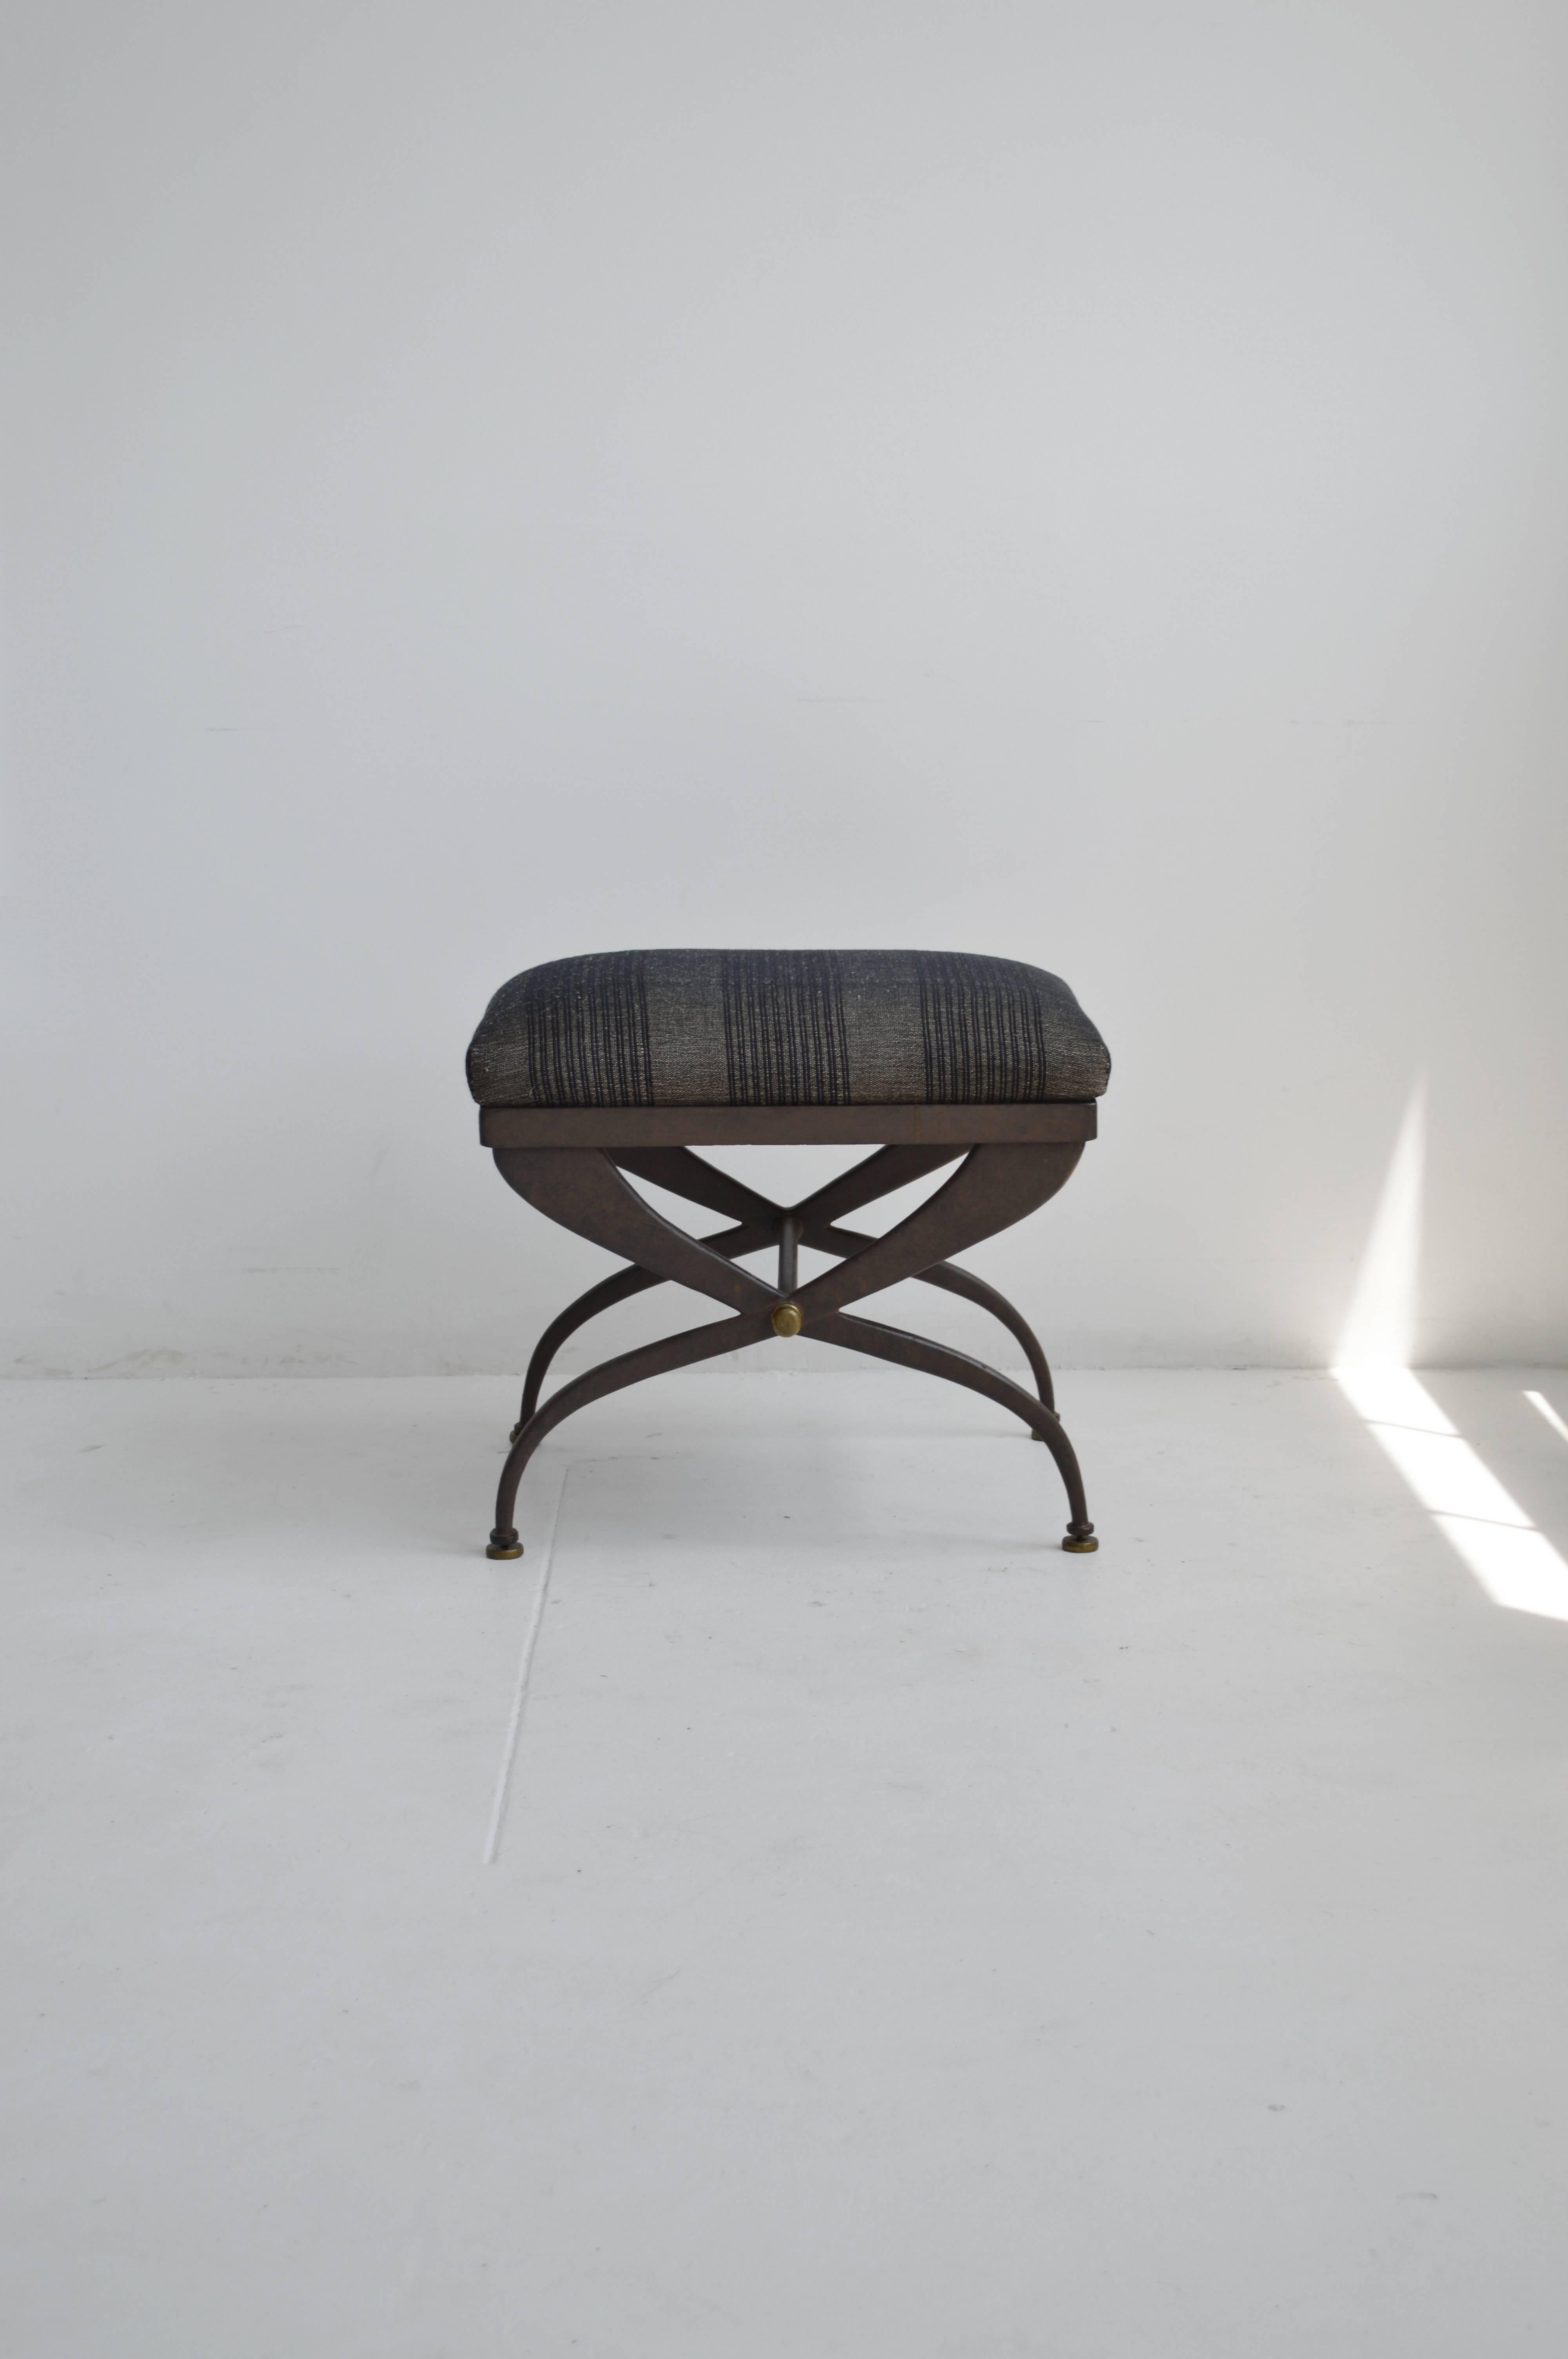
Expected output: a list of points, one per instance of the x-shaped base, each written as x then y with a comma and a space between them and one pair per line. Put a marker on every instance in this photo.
584, 1188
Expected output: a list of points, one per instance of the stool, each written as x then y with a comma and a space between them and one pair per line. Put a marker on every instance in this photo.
587, 1069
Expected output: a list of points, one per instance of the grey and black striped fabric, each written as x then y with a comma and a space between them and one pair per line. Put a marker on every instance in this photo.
784, 1027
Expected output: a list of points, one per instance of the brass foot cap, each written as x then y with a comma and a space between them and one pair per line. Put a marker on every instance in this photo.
1080, 1547
505, 1554
786, 1320
514, 1433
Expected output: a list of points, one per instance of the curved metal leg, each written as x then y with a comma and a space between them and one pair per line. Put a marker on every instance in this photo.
993, 1187
683, 1350
936, 1360
975, 1289
680, 1172
879, 1174
580, 1188
619, 1287
954, 1281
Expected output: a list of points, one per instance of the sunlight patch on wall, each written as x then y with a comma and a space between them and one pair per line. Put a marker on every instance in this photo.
1379, 1326
1515, 1563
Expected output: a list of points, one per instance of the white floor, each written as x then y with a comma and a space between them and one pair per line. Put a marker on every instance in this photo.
903, 1940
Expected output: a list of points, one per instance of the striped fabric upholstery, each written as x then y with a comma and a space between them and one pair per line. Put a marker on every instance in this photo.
784, 1027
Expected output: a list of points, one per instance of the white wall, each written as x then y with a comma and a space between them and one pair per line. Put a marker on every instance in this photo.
486, 482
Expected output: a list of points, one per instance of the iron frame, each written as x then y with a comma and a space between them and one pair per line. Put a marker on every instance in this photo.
572, 1164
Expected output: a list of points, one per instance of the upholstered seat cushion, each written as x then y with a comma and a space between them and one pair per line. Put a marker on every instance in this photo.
784, 1027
